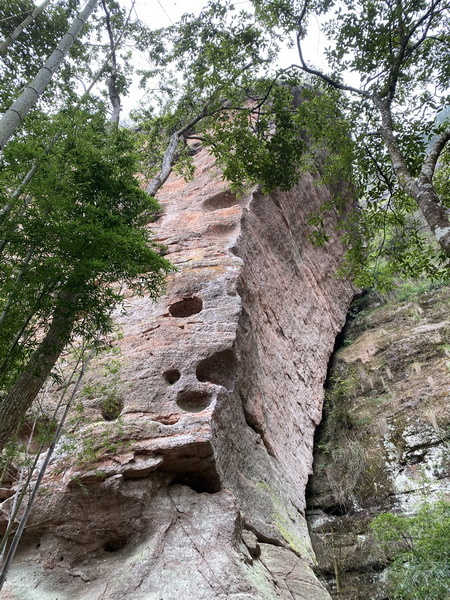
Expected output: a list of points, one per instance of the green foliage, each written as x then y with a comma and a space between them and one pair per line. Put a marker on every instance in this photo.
408, 290
342, 388
420, 546
104, 385
393, 115
26, 55
442, 178
250, 144
83, 231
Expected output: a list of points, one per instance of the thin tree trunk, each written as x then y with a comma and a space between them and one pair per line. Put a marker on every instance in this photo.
114, 96
18, 495
18, 30
32, 467
27, 386
28, 98
57, 435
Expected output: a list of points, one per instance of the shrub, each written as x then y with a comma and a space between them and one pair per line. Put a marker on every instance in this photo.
420, 549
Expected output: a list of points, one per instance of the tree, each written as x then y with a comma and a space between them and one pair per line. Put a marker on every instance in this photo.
30, 95
224, 93
23, 56
75, 227
10, 38
398, 110
229, 98
82, 232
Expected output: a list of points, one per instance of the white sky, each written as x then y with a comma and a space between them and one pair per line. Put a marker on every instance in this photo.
161, 13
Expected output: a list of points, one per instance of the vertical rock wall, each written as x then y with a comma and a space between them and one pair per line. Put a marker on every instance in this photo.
384, 444
197, 490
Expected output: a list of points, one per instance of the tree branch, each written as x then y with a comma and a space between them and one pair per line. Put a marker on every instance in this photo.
305, 68
113, 93
407, 51
329, 80
432, 158
169, 155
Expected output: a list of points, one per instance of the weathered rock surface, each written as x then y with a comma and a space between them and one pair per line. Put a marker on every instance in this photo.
197, 490
384, 445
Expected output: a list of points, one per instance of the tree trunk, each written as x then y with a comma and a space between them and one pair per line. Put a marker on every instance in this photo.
28, 98
436, 215
27, 386
421, 188
114, 96
18, 30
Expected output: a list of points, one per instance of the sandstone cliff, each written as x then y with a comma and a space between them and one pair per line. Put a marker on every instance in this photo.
384, 445
190, 483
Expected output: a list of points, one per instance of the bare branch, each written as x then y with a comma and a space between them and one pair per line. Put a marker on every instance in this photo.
329, 80
169, 155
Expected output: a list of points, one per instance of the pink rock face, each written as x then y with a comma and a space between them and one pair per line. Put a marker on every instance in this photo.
202, 496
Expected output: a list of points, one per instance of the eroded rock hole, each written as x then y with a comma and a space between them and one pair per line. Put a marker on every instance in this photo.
193, 401
201, 484
171, 376
221, 200
336, 510
114, 545
186, 307
111, 408
219, 368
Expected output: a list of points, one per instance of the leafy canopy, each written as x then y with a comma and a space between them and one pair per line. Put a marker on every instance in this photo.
81, 228
397, 111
